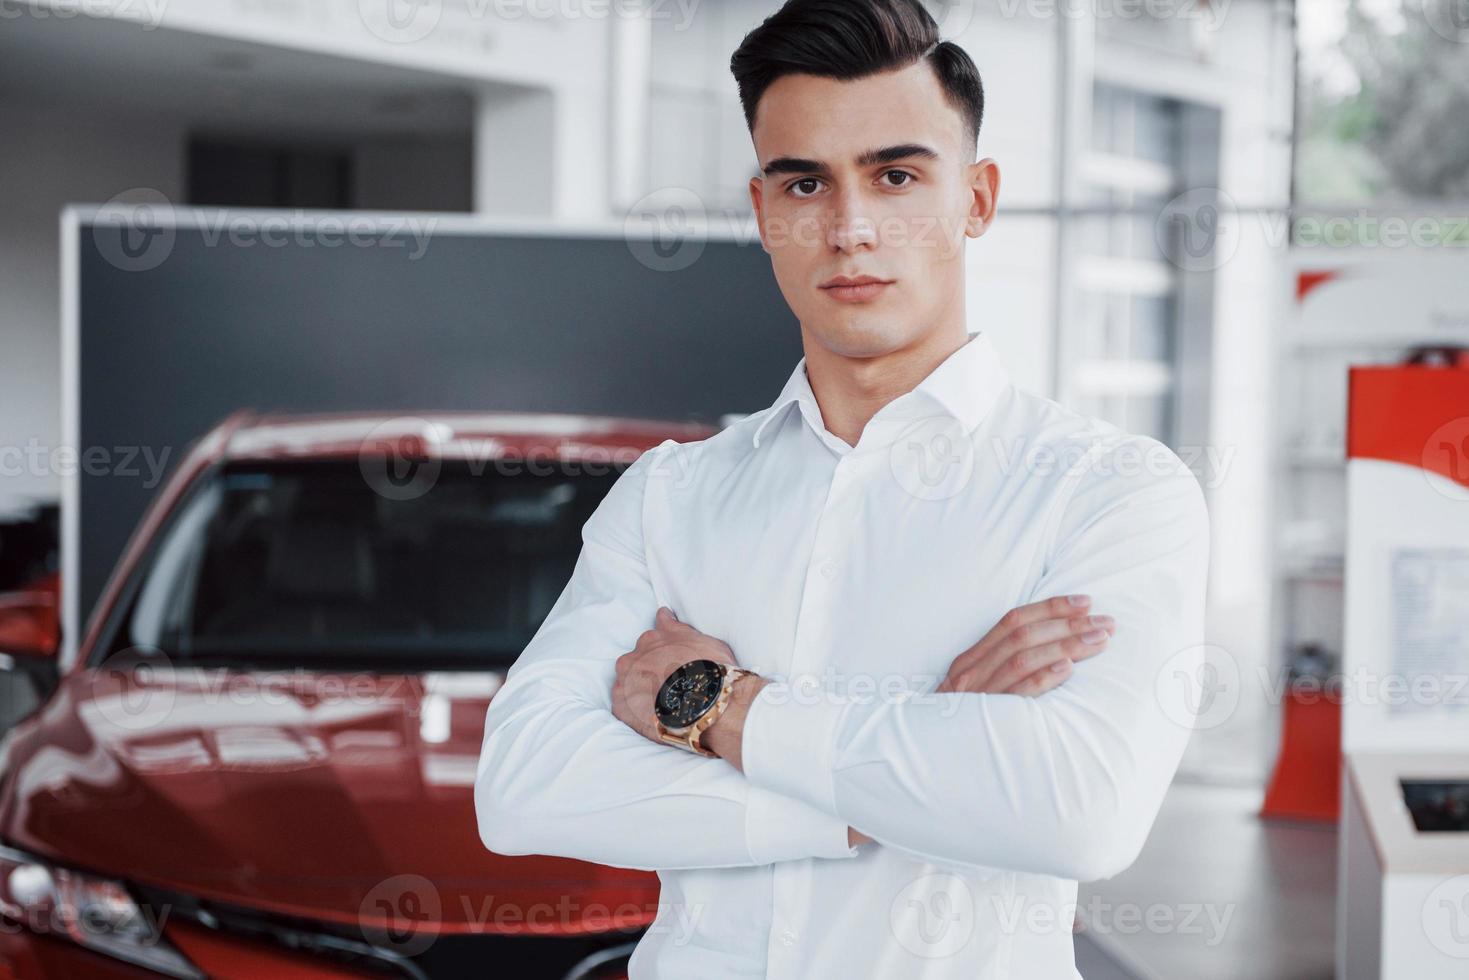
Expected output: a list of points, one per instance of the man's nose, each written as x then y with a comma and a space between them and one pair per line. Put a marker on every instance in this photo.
850, 225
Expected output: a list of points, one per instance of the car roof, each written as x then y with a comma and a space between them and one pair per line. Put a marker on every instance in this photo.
448, 434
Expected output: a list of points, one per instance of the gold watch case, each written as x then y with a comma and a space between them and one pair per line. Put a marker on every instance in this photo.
690, 736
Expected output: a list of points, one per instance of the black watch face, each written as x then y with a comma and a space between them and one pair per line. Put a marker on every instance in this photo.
688, 692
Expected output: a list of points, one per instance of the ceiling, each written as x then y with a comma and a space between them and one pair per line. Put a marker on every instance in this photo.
220, 84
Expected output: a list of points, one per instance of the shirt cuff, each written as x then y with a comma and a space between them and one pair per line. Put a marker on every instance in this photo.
788, 744
778, 828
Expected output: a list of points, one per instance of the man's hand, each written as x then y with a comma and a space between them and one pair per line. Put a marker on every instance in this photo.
1031, 649
659, 652
1028, 652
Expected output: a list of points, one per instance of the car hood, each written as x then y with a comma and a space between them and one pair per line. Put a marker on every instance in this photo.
314, 794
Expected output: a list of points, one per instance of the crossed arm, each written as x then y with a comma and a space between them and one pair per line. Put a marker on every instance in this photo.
1065, 784
560, 774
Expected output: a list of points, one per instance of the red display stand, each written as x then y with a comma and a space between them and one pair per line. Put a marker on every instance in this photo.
1306, 783
1417, 415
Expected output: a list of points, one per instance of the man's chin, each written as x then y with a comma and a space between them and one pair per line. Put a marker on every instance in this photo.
861, 335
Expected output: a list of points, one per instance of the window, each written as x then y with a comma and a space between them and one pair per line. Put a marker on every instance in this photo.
304, 564
242, 175
1133, 333
1382, 99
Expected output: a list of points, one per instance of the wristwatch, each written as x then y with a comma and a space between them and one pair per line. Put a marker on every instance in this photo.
691, 699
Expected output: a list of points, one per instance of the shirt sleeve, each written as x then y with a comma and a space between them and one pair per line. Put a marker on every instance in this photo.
560, 774
1067, 783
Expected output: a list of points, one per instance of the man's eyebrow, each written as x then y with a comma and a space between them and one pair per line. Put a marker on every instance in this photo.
886, 154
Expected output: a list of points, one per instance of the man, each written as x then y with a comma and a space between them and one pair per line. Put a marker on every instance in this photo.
908, 556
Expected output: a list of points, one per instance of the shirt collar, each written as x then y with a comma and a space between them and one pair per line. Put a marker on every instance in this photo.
964, 385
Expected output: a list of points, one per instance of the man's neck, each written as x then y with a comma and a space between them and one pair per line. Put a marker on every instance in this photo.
851, 390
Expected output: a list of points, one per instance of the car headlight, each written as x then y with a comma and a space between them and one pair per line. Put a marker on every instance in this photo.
91, 911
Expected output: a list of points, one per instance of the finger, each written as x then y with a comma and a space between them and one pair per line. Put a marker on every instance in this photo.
1043, 680
1080, 648
1056, 607
1051, 630
666, 619
1022, 664
1096, 628
1004, 671
984, 661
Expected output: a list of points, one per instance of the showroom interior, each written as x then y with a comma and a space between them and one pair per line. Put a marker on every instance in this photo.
1234, 226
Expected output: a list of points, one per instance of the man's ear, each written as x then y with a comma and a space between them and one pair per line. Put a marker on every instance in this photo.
984, 186
757, 200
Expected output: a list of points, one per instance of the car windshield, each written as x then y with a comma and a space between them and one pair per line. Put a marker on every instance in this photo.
307, 564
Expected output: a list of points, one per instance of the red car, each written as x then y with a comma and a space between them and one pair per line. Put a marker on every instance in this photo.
29, 632
262, 761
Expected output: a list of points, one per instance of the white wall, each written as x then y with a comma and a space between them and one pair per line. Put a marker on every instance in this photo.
55, 155
554, 162
1249, 77
64, 153
1011, 293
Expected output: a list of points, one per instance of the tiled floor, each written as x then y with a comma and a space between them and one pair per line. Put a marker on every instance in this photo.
1217, 894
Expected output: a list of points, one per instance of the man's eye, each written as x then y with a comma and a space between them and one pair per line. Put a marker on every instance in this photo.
803, 181
806, 186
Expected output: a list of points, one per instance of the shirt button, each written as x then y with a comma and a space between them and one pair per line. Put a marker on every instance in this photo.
788, 938
828, 569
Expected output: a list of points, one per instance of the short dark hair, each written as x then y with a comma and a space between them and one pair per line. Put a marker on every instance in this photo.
851, 39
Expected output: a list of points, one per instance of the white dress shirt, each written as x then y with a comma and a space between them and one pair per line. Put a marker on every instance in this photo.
853, 576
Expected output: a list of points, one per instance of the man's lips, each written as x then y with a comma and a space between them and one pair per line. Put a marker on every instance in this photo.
851, 281
855, 290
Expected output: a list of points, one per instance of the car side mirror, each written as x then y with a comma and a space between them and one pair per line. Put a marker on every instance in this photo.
30, 624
